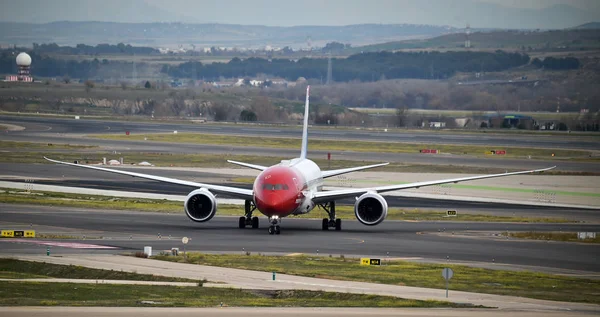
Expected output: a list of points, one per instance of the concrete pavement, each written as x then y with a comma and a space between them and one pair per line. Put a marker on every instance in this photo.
96, 281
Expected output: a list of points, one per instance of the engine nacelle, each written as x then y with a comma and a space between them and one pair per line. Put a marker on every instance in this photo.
200, 205
370, 209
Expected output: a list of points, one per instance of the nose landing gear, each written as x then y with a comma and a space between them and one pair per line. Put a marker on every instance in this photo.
274, 228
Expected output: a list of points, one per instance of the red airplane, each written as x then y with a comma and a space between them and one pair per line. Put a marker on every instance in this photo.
292, 187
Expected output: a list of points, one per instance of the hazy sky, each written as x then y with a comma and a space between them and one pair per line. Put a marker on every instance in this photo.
479, 13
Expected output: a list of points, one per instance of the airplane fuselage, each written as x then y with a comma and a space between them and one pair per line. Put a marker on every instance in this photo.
286, 188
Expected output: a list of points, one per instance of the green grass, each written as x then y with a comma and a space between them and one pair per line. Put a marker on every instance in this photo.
341, 145
156, 205
552, 236
29, 269
65, 294
31, 145
514, 283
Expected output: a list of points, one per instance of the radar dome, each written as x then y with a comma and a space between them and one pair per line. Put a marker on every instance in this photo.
23, 59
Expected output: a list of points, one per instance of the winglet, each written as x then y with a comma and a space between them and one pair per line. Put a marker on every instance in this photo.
305, 127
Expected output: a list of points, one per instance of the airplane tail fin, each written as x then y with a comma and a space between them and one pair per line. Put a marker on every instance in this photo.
305, 127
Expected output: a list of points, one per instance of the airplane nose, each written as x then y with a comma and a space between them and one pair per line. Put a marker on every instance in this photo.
274, 204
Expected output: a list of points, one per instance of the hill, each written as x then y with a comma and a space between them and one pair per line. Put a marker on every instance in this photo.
591, 25
579, 38
207, 35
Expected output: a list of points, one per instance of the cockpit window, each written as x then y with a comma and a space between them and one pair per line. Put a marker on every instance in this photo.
275, 187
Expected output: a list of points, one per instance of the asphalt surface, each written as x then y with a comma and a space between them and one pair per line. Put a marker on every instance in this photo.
53, 130
131, 231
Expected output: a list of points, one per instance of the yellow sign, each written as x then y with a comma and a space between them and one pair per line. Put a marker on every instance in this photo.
18, 233
368, 261
451, 212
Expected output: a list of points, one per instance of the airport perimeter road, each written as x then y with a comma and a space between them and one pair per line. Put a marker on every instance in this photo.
85, 126
261, 312
131, 231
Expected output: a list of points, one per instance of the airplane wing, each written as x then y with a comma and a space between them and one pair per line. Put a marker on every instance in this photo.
331, 173
231, 191
325, 196
248, 165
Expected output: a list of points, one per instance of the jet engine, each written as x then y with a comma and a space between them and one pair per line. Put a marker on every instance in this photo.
200, 205
370, 209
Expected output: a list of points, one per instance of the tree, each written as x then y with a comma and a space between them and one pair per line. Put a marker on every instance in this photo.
147, 85
66, 79
247, 115
89, 85
221, 111
401, 116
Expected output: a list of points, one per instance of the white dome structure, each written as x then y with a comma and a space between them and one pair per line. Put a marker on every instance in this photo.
23, 59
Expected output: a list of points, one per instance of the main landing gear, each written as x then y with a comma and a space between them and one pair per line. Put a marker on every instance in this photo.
248, 220
332, 222
274, 228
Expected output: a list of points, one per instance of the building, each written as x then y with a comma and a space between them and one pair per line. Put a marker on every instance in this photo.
24, 64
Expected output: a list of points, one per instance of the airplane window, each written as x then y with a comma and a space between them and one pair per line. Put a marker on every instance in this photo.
275, 187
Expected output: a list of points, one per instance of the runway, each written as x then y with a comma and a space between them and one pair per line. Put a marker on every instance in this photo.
53, 130
131, 231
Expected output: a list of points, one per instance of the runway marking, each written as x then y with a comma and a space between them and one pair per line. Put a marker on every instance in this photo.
71, 245
356, 239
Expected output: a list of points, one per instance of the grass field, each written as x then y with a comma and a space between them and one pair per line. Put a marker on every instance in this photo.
20, 293
514, 283
65, 294
11, 268
344, 145
154, 205
552, 236
38, 146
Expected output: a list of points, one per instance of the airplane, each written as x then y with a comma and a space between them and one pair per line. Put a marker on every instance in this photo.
292, 187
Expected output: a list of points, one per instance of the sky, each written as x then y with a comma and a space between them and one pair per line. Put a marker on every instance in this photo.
478, 13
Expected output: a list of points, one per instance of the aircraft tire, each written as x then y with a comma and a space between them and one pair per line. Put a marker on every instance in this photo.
325, 225
242, 222
338, 224
254, 222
